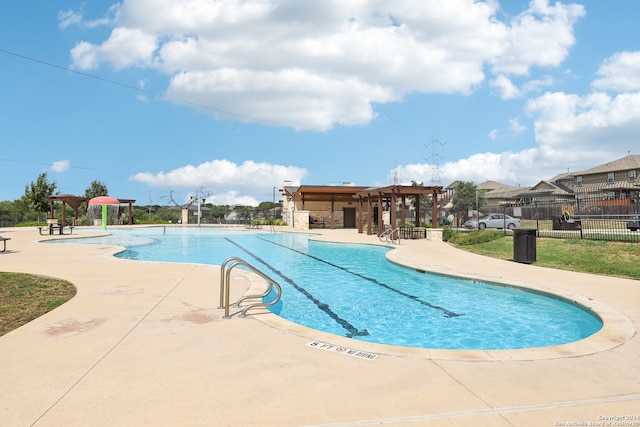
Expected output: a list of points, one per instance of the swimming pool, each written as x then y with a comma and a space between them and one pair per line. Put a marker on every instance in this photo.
353, 291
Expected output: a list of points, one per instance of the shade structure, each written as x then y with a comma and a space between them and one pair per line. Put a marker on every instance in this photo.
104, 201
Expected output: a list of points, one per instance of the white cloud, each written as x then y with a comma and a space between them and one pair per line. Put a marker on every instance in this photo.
318, 64
573, 132
125, 48
540, 36
289, 97
505, 87
620, 72
516, 127
231, 198
572, 126
67, 18
60, 166
508, 90
504, 167
224, 179
537, 85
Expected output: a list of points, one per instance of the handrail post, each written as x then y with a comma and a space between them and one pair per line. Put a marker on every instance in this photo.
227, 291
225, 286
223, 268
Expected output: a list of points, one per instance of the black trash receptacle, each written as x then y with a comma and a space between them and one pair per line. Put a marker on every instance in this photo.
524, 245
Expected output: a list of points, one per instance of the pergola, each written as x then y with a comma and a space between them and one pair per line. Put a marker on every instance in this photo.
66, 199
325, 193
391, 194
75, 202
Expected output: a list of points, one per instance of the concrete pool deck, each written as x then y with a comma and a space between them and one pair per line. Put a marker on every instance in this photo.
145, 344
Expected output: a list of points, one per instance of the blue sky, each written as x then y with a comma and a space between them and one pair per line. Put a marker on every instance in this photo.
228, 99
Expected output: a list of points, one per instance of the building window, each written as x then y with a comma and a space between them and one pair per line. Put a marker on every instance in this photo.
632, 176
579, 181
610, 177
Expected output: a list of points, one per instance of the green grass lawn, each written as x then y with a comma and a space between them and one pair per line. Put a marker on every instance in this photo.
588, 256
24, 297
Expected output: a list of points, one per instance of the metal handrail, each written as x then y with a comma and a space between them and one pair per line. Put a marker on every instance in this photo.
388, 235
225, 279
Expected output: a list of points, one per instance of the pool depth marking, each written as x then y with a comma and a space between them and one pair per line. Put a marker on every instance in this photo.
352, 330
446, 312
342, 350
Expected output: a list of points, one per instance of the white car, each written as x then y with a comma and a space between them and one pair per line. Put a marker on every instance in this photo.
496, 220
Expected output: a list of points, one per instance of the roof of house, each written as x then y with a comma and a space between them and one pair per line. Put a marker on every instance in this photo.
490, 185
498, 190
630, 162
547, 187
506, 192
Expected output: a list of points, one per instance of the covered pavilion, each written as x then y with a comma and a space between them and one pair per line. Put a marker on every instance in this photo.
389, 196
333, 205
75, 202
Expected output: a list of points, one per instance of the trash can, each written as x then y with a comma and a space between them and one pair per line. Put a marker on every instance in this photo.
524, 245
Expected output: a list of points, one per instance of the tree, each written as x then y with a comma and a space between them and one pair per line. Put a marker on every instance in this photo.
36, 195
464, 196
96, 189
12, 213
220, 211
267, 209
245, 212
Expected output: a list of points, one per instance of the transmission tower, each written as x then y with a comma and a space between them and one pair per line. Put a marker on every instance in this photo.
435, 159
396, 177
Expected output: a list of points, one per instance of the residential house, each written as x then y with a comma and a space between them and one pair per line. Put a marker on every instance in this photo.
608, 189
617, 179
497, 195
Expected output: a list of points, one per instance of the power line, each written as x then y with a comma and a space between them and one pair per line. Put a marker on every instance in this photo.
137, 89
39, 163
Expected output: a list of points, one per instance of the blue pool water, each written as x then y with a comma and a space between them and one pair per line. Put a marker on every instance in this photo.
353, 291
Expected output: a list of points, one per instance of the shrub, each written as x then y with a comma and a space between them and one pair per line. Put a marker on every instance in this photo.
269, 222
448, 233
475, 237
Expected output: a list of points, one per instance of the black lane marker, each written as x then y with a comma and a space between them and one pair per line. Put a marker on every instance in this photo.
352, 330
446, 312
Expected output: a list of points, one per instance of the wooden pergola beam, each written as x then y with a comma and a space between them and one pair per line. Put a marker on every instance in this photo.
390, 194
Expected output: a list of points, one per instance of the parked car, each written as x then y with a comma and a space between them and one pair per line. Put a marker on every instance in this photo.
634, 223
496, 220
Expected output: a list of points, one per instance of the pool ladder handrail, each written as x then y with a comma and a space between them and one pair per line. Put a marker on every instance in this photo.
389, 234
225, 280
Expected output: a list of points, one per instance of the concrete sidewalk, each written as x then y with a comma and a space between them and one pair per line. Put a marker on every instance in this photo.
145, 344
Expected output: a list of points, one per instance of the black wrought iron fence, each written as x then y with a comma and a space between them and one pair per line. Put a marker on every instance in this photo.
607, 219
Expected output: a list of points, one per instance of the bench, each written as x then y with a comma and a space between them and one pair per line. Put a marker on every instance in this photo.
53, 227
4, 240
316, 223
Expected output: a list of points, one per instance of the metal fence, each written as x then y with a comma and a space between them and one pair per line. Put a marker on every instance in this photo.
609, 219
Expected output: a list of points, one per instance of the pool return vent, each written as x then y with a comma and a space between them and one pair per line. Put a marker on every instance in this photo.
225, 280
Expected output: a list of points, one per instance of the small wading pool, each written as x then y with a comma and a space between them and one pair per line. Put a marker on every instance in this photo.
354, 291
